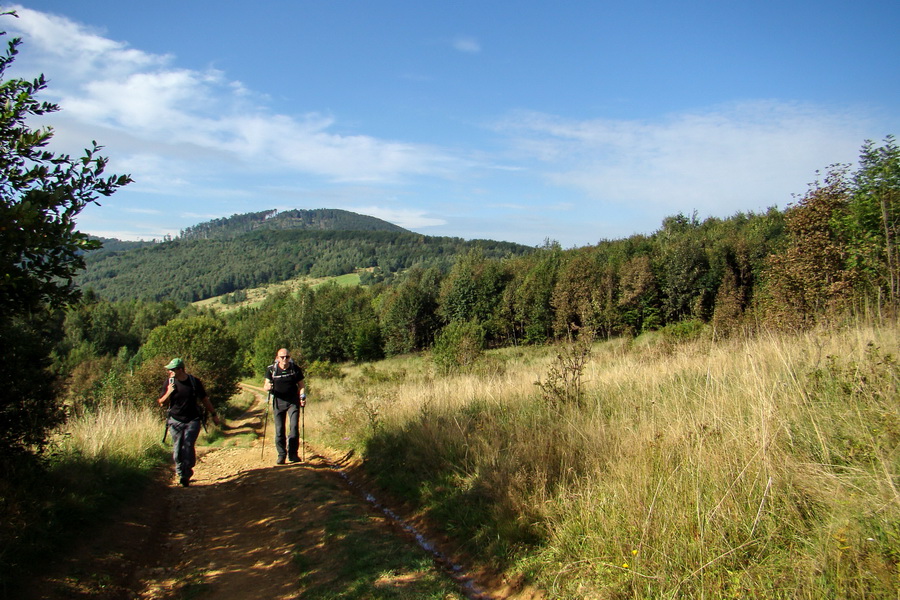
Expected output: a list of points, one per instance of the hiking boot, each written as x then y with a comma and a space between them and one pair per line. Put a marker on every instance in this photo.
185, 482
279, 460
294, 459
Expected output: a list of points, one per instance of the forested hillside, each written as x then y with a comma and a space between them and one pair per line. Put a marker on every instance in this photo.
114, 246
190, 268
834, 250
321, 219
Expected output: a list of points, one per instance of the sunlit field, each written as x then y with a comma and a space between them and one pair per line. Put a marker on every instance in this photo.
763, 467
751, 468
124, 431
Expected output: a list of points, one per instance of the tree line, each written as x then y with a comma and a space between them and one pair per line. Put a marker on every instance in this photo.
187, 270
833, 250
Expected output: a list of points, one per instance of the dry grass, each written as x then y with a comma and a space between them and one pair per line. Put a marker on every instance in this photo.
121, 431
754, 468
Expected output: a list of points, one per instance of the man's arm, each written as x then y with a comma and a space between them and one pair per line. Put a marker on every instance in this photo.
268, 379
164, 399
210, 410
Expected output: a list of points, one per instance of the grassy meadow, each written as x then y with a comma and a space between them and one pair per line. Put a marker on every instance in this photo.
257, 295
648, 468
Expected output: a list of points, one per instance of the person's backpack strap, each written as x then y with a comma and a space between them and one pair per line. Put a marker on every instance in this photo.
295, 370
193, 385
201, 408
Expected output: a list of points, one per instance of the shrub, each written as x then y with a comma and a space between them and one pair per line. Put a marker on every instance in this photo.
323, 369
458, 347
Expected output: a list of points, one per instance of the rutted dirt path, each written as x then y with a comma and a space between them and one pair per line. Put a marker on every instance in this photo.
245, 528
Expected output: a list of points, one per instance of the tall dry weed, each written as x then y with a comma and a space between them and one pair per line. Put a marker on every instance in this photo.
113, 431
765, 467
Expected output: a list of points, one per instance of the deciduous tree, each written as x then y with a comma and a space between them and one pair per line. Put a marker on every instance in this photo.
205, 344
811, 276
874, 218
41, 193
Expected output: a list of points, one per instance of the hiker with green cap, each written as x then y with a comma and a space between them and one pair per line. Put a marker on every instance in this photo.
186, 398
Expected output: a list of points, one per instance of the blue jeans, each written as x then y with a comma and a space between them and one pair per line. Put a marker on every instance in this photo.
184, 436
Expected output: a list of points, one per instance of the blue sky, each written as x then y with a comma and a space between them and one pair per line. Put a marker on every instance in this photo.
519, 120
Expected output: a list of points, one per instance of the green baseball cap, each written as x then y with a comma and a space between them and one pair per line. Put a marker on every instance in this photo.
175, 363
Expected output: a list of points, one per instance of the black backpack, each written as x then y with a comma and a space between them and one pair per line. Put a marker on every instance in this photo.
201, 408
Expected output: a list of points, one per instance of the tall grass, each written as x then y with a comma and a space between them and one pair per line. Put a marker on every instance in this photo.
765, 467
122, 432
99, 459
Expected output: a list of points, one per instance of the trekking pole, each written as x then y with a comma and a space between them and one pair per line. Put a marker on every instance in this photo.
303, 431
262, 451
165, 416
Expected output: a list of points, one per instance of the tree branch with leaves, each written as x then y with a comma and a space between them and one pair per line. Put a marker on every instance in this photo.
41, 251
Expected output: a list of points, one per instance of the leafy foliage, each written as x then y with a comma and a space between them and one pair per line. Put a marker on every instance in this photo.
195, 269
41, 193
28, 404
408, 312
812, 274
526, 307
873, 224
204, 343
458, 347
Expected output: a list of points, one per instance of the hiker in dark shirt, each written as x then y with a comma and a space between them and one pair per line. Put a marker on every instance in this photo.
284, 380
187, 402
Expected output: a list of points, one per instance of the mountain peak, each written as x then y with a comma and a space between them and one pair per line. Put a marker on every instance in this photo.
322, 219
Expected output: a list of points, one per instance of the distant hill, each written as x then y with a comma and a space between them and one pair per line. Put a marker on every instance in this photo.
112, 245
245, 251
320, 219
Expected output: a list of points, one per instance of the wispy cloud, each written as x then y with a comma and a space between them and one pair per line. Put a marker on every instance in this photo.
200, 113
467, 44
743, 156
192, 135
407, 218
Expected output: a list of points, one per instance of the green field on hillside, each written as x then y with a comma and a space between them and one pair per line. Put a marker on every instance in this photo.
254, 296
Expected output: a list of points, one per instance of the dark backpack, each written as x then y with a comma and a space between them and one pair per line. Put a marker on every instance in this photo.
201, 408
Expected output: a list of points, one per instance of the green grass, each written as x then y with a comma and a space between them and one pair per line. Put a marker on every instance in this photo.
348, 280
256, 296
52, 503
353, 562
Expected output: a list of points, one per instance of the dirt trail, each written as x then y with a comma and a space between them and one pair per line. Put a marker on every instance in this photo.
241, 530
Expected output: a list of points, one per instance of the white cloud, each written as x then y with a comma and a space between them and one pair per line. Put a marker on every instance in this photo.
189, 135
467, 44
165, 110
82, 50
406, 218
741, 157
